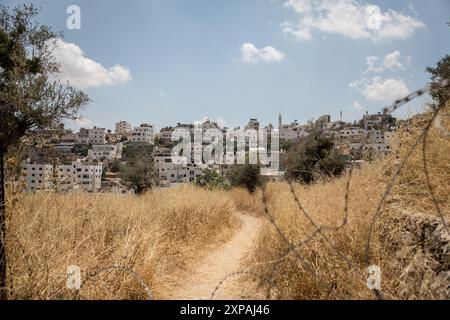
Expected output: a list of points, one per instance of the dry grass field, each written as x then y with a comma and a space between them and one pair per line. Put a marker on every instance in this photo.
154, 235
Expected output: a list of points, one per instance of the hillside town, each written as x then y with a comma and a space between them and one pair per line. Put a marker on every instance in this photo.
64, 160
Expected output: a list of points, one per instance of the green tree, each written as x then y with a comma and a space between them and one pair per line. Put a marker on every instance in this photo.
115, 166
212, 180
245, 175
138, 175
30, 97
312, 157
440, 72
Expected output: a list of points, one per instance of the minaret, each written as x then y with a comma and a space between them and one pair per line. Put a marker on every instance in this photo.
280, 122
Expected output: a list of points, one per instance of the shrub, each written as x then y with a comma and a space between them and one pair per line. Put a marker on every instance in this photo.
212, 180
313, 157
247, 176
138, 175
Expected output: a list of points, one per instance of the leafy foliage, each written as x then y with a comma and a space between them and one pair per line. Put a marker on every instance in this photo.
247, 176
115, 166
438, 73
212, 180
30, 97
138, 175
312, 157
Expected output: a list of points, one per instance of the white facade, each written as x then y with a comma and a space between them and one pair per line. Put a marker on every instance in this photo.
144, 133
107, 152
80, 175
123, 128
166, 134
77, 175
292, 131
252, 124
352, 134
169, 173
38, 176
97, 136
82, 140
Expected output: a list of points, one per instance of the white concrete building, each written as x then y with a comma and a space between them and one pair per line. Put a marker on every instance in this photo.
97, 135
82, 140
166, 133
77, 175
38, 176
123, 128
80, 176
351, 134
169, 173
144, 133
109, 152
292, 131
252, 124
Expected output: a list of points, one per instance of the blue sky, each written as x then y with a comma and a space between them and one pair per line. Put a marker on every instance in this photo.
180, 61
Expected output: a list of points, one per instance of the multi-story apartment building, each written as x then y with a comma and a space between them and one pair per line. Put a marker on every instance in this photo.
144, 134
252, 124
379, 121
108, 152
80, 175
77, 175
38, 176
169, 173
123, 128
166, 133
351, 134
83, 133
292, 131
97, 135
82, 140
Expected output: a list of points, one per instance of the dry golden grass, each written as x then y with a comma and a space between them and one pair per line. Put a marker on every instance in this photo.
155, 235
247, 202
335, 267
324, 203
412, 190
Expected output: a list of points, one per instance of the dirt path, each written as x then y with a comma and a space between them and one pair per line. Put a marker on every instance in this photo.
217, 265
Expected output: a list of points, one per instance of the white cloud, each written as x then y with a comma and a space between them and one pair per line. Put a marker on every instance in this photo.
268, 54
391, 61
83, 122
379, 89
357, 106
83, 72
350, 18
395, 60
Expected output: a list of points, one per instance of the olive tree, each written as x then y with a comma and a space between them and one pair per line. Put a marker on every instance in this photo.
31, 96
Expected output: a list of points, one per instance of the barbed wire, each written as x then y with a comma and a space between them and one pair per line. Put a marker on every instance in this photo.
319, 230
